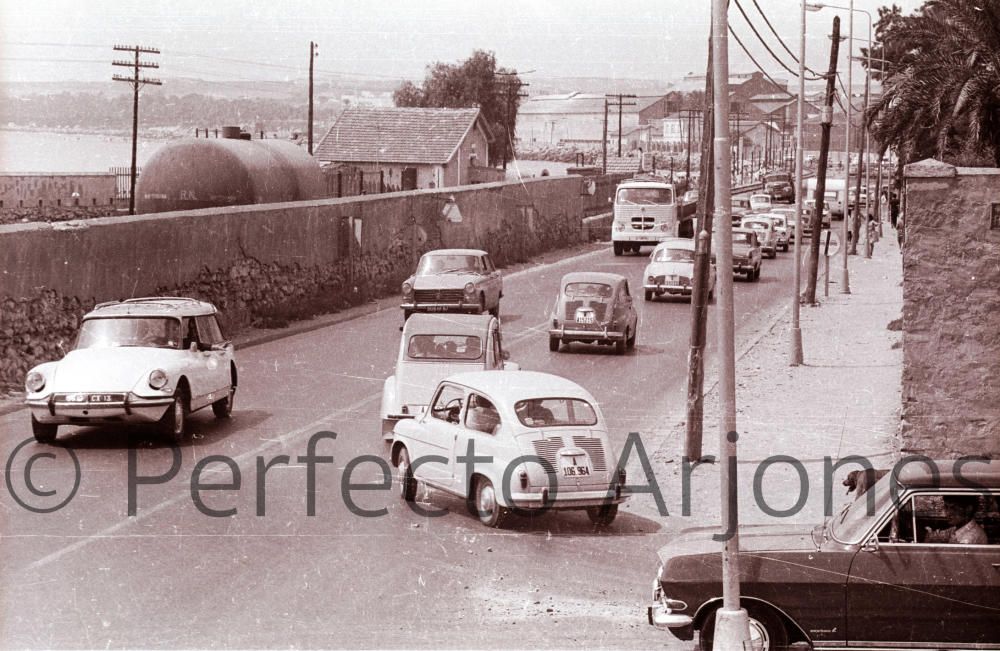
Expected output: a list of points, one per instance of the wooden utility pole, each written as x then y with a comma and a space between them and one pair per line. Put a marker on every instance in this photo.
824, 155
508, 98
620, 103
312, 57
604, 140
136, 82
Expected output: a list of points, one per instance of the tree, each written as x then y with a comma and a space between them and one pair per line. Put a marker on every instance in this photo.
476, 82
941, 94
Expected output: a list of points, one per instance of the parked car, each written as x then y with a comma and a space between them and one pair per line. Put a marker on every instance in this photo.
895, 569
779, 186
747, 258
671, 270
594, 307
765, 233
143, 360
780, 228
760, 203
434, 346
510, 418
453, 280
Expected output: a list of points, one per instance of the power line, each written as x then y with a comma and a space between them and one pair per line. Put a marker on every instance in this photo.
758, 66
781, 63
777, 36
136, 81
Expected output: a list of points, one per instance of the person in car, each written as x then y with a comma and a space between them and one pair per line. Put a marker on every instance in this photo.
960, 511
531, 412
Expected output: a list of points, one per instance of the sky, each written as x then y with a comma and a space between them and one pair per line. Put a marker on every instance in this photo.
60, 40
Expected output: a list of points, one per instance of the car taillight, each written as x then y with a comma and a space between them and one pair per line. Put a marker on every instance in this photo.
524, 478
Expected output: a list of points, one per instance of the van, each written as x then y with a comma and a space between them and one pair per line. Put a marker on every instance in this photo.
833, 195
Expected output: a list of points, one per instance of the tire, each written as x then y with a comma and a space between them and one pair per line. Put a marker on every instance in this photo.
223, 408
756, 274
620, 346
404, 473
554, 344
495, 311
488, 511
44, 432
482, 303
619, 249
636, 248
602, 515
767, 632
711, 293
407, 314
648, 295
174, 422
630, 342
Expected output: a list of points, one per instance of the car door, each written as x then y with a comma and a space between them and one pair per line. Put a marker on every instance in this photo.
196, 363
625, 300
218, 353
494, 281
480, 421
436, 436
903, 590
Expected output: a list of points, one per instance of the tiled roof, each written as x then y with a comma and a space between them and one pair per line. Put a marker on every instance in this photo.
398, 135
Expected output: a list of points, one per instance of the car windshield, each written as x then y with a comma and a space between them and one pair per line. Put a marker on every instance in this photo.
760, 198
148, 332
760, 226
854, 520
456, 347
652, 196
775, 178
449, 263
673, 255
592, 290
555, 412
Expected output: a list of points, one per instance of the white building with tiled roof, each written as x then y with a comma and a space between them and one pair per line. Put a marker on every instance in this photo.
411, 147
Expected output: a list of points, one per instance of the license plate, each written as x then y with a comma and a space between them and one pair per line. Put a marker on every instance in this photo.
576, 471
437, 308
671, 279
106, 397
584, 318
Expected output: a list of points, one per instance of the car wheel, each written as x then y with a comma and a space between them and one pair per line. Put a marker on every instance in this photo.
407, 314
495, 311
224, 408
44, 432
488, 510
553, 344
636, 248
756, 273
630, 342
174, 422
619, 249
620, 345
648, 295
404, 474
602, 515
767, 632
482, 303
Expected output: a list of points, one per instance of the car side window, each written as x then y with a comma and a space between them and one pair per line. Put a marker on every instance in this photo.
625, 293
208, 329
190, 333
497, 349
481, 415
447, 405
488, 264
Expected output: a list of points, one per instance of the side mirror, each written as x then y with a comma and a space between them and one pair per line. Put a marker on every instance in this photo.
222, 345
193, 347
871, 545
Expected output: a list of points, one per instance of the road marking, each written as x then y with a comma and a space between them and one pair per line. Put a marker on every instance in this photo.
184, 494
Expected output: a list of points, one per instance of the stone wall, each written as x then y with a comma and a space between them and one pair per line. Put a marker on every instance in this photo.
951, 311
267, 264
56, 190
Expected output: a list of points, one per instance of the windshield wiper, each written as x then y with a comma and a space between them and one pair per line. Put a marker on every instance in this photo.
463, 270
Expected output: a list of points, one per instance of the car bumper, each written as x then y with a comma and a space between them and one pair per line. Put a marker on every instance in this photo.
472, 308
603, 334
662, 614
681, 290
566, 498
742, 266
647, 237
133, 409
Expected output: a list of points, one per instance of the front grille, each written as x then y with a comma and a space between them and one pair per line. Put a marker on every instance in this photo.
593, 447
548, 449
438, 295
643, 223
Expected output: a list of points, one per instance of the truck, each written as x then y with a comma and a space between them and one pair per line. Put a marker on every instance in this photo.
647, 212
834, 194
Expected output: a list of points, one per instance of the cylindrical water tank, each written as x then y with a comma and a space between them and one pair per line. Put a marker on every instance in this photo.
206, 172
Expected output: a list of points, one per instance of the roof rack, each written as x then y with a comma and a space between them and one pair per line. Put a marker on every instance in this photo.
149, 299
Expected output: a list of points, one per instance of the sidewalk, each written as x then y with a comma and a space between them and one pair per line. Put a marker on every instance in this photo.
845, 400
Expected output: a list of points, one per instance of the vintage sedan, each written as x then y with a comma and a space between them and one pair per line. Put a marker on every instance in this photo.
765, 233
143, 360
453, 280
780, 228
912, 563
545, 442
594, 307
760, 202
779, 186
671, 270
740, 207
747, 257
789, 215
434, 346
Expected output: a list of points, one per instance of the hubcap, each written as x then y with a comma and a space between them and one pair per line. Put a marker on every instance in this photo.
404, 471
487, 499
759, 639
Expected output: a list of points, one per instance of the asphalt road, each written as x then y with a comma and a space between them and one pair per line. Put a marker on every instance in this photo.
270, 575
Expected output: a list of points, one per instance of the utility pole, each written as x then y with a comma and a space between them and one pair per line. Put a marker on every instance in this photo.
604, 140
136, 82
508, 98
845, 285
312, 57
795, 356
620, 104
824, 155
732, 626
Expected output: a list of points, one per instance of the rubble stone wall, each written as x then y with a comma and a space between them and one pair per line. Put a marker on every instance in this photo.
33, 190
951, 311
266, 264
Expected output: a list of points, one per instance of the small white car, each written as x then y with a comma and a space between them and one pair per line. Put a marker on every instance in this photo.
143, 360
780, 224
434, 346
453, 280
671, 270
789, 215
765, 233
760, 203
546, 437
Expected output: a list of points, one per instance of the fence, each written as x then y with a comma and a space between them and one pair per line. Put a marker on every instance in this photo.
123, 183
352, 182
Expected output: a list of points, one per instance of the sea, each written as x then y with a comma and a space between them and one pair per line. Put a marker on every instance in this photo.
64, 153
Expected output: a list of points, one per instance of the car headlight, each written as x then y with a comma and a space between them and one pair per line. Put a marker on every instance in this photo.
619, 226
470, 288
158, 379
34, 382
407, 289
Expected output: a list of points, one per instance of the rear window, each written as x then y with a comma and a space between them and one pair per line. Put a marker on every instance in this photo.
649, 196
741, 238
592, 290
555, 412
454, 347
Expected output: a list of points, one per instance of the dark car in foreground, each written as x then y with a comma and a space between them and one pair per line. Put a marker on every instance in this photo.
897, 568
